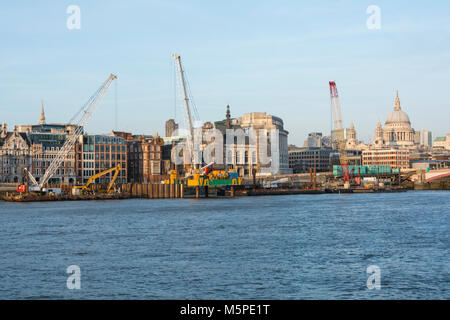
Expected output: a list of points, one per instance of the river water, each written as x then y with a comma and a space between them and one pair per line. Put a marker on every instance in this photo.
271, 247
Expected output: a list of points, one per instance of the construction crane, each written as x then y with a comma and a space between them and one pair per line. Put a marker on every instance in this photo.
197, 175
116, 170
338, 131
188, 118
87, 110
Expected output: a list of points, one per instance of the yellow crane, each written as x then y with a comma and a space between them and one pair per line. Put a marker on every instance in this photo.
76, 189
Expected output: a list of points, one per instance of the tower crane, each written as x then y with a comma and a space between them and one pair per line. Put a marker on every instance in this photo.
337, 126
88, 109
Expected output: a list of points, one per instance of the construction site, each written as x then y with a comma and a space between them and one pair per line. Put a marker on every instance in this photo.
200, 179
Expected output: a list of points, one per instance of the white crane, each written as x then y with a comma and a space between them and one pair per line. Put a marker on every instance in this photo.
88, 109
187, 108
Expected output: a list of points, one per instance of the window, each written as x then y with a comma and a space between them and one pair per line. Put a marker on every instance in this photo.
229, 157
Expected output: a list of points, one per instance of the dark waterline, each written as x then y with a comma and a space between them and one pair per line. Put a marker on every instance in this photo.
274, 247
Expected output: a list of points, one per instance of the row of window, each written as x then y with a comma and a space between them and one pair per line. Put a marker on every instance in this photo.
63, 172
7, 161
385, 154
90, 173
47, 163
384, 158
50, 156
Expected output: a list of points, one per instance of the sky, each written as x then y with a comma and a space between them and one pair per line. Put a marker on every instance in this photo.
257, 56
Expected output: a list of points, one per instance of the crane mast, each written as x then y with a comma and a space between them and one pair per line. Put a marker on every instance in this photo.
88, 110
337, 126
187, 108
335, 107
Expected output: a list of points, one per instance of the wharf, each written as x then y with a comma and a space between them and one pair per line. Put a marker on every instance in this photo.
368, 190
280, 191
34, 198
171, 192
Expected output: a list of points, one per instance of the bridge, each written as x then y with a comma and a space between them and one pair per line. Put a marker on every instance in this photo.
431, 175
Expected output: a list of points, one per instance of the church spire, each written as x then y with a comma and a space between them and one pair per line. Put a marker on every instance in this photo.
397, 103
42, 119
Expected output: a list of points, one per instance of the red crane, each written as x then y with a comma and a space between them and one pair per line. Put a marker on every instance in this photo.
338, 131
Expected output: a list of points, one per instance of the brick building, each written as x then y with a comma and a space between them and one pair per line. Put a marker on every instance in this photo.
396, 158
148, 157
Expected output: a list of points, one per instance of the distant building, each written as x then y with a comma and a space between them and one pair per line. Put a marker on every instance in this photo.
442, 143
417, 138
44, 127
339, 134
314, 140
45, 146
245, 157
426, 138
33, 147
397, 131
3, 131
171, 126
148, 157
15, 151
327, 142
153, 165
303, 159
439, 142
396, 158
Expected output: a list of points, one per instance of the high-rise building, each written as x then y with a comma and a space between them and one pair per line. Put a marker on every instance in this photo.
426, 138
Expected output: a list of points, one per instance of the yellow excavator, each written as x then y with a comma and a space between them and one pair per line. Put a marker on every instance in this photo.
77, 190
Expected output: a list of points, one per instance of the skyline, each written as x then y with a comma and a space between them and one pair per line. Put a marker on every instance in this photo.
256, 57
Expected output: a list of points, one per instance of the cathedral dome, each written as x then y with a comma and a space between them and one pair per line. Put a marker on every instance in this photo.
397, 115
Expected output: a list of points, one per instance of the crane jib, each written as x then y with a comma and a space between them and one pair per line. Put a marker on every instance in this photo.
92, 103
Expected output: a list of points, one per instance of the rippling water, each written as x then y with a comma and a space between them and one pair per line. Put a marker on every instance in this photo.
278, 247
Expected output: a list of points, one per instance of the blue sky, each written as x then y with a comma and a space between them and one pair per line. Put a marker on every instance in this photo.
267, 56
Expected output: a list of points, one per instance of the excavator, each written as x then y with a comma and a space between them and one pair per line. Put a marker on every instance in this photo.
77, 190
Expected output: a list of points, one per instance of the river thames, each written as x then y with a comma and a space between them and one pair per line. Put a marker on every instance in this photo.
271, 247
